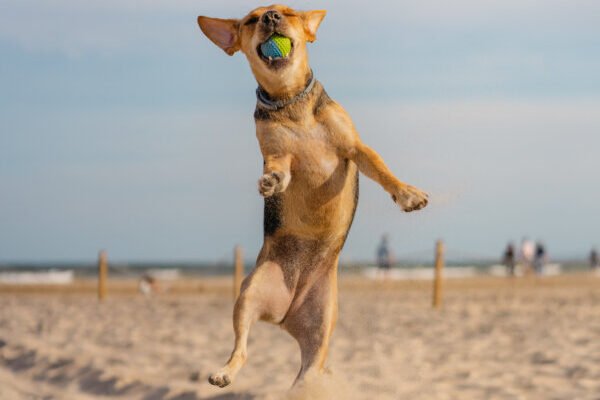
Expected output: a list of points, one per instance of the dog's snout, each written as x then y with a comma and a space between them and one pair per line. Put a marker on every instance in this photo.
271, 18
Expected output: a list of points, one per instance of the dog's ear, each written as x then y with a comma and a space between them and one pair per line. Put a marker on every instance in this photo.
312, 20
222, 32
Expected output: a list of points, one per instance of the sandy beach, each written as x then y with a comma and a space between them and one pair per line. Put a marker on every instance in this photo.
494, 339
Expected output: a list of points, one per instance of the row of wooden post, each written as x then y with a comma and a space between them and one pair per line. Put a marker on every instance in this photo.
238, 273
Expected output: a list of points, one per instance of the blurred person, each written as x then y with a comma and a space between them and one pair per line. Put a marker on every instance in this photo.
384, 257
527, 253
148, 285
594, 260
508, 259
540, 258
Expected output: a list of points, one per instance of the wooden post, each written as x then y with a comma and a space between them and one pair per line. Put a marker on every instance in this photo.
102, 274
238, 272
437, 281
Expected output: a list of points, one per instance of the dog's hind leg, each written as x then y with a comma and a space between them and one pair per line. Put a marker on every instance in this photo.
311, 321
265, 296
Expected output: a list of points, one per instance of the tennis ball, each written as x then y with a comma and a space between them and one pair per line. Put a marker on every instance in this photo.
277, 46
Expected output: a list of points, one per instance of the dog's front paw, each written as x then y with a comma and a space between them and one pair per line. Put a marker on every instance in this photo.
409, 198
270, 183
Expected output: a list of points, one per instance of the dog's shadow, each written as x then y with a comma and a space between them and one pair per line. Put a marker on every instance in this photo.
231, 396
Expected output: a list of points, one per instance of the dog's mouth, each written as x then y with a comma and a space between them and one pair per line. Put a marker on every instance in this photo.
276, 51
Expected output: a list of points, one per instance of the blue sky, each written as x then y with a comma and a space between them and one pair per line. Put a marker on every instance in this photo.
124, 128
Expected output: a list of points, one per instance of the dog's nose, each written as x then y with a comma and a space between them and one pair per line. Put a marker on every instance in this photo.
271, 18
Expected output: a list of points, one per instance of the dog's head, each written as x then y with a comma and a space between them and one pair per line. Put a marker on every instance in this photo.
279, 74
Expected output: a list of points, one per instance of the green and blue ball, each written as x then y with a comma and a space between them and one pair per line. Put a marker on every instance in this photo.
276, 47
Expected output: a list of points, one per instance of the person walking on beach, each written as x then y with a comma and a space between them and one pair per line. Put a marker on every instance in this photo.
527, 255
594, 260
540, 258
384, 257
509, 259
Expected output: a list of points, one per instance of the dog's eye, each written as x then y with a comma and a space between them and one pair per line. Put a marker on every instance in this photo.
289, 15
251, 21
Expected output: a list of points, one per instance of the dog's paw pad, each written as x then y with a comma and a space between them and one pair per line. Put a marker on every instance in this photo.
219, 379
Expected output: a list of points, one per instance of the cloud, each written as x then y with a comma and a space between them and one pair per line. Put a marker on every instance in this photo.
73, 27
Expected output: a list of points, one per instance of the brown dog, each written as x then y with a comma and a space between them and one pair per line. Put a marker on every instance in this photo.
312, 155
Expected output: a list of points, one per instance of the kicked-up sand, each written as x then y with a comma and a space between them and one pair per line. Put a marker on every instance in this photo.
494, 338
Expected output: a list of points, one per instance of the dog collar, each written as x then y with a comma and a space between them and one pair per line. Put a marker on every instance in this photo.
263, 100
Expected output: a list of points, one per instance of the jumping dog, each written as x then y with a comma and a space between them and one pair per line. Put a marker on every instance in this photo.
312, 155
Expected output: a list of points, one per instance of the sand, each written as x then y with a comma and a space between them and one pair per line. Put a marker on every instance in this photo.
529, 339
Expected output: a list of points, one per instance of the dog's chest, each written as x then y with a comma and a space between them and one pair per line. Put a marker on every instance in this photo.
314, 158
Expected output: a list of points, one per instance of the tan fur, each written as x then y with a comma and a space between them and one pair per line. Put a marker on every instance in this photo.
312, 154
